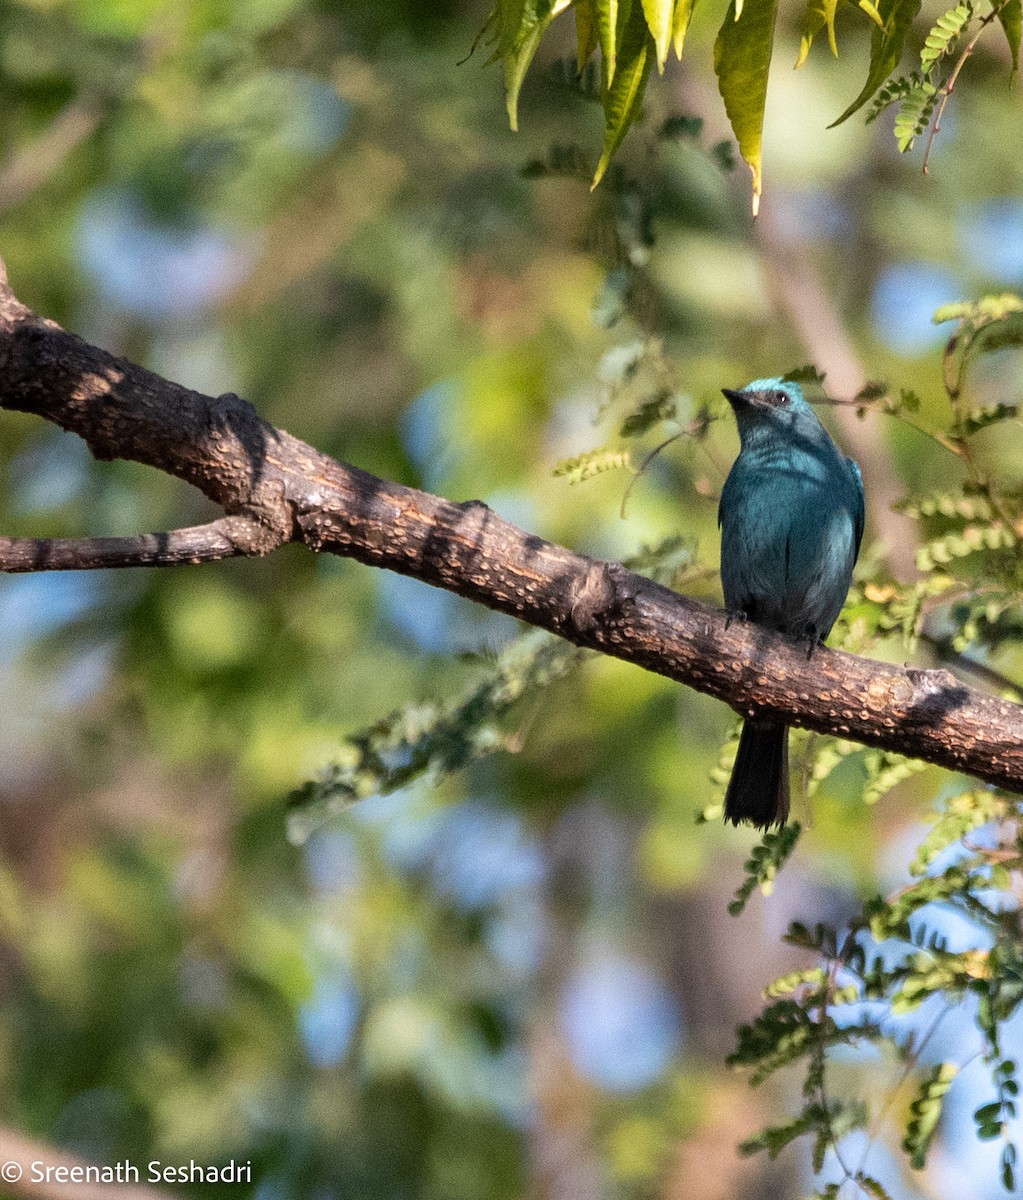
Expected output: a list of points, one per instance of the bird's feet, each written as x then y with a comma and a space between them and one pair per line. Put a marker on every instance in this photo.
811, 639
735, 614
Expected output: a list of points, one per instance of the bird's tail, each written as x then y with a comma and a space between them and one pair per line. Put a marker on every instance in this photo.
758, 792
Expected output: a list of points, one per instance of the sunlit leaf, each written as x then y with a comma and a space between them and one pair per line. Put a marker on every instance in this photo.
608, 16
658, 15
926, 1110
867, 7
1011, 17
942, 35
742, 57
624, 100
680, 24
818, 14
523, 24
915, 114
585, 30
885, 49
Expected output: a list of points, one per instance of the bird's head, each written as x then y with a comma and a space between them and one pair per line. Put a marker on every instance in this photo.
770, 404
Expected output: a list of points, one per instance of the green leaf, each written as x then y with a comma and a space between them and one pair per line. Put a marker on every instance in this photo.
988, 308
926, 1111
915, 114
973, 420
871, 1186
892, 92
1008, 1164
433, 739
807, 373
680, 24
681, 126
796, 979
592, 462
885, 49
765, 861
988, 1112
885, 770
818, 14
774, 1139
624, 99
607, 29
1011, 17
944, 32
658, 15
867, 7
742, 57
523, 24
962, 814
585, 12
651, 412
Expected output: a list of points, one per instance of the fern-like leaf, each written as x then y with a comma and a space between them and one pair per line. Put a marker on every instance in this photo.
926, 1111
953, 505
962, 815
592, 462
976, 419
893, 92
915, 112
972, 538
946, 30
886, 771
764, 863
651, 412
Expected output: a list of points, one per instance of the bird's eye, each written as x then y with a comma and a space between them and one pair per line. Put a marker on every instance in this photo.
781, 398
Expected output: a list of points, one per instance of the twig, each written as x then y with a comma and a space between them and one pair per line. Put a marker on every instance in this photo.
224, 538
981, 670
948, 86
875, 406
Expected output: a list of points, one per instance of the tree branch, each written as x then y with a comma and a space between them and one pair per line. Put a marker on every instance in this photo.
285, 490
226, 538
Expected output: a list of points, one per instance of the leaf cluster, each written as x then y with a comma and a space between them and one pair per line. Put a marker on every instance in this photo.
889, 960
631, 36
434, 738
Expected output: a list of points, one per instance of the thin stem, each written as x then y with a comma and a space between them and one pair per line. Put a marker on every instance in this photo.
224, 538
949, 444
981, 670
643, 466
692, 430
822, 1092
912, 1061
948, 86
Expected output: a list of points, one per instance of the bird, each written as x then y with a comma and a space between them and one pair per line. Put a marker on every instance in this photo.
791, 517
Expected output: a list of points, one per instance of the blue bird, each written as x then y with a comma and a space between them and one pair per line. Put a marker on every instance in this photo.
791, 518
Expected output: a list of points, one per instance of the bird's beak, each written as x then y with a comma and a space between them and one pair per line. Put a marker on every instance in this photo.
734, 397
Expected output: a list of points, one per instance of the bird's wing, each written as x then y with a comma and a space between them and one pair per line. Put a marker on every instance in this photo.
860, 514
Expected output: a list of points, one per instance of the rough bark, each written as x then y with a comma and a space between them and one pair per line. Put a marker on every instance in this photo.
277, 489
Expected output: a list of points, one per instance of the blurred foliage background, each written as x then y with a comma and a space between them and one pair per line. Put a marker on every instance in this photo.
520, 979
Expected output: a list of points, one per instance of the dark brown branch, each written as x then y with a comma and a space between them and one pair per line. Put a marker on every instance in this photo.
225, 538
288, 491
